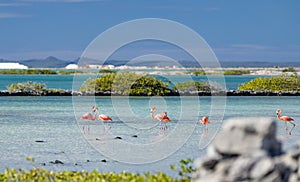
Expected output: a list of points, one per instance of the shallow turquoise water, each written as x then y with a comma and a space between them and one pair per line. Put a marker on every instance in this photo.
52, 119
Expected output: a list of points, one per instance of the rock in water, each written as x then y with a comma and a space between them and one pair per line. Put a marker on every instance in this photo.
247, 150
247, 135
39, 141
103, 160
57, 162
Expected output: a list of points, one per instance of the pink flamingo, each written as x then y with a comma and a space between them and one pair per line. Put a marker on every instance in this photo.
93, 116
90, 115
105, 118
286, 120
163, 117
205, 121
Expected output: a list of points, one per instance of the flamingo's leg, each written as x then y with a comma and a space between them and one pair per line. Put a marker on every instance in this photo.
160, 125
107, 127
206, 128
286, 127
204, 133
161, 128
292, 128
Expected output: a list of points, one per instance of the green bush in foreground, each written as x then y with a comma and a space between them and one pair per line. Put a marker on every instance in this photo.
273, 84
185, 169
45, 175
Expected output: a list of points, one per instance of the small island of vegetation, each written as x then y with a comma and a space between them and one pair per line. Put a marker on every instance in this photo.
32, 88
236, 72
273, 84
133, 84
193, 86
126, 83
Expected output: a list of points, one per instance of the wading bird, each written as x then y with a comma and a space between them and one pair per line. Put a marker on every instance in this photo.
163, 118
90, 115
286, 120
93, 116
205, 121
105, 118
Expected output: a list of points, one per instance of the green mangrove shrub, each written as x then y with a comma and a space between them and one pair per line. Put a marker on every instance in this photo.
40, 72
31, 87
27, 87
189, 86
273, 84
289, 70
45, 175
126, 83
29, 71
236, 72
102, 84
69, 72
201, 72
107, 71
185, 168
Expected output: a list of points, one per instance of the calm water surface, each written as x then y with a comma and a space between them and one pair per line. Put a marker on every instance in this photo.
24, 120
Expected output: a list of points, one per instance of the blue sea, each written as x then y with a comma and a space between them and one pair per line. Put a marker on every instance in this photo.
50, 128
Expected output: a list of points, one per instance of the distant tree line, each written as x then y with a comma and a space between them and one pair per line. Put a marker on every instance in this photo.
130, 83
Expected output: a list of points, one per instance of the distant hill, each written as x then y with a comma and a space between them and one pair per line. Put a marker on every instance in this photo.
255, 64
53, 62
49, 62
191, 64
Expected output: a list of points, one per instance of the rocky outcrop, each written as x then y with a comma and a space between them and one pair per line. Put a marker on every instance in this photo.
247, 151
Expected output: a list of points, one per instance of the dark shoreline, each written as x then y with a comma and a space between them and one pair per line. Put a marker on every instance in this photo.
200, 93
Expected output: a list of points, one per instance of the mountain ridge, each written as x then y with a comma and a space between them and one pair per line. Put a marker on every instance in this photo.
54, 62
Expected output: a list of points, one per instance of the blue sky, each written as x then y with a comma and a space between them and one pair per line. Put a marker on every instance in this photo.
236, 30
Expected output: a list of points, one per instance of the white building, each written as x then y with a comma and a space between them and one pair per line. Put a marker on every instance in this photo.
12, 66
72, 66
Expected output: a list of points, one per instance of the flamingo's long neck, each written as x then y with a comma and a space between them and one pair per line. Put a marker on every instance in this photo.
152, 114
278, 116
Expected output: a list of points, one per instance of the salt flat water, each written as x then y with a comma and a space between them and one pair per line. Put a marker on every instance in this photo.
25, 120
66, 81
